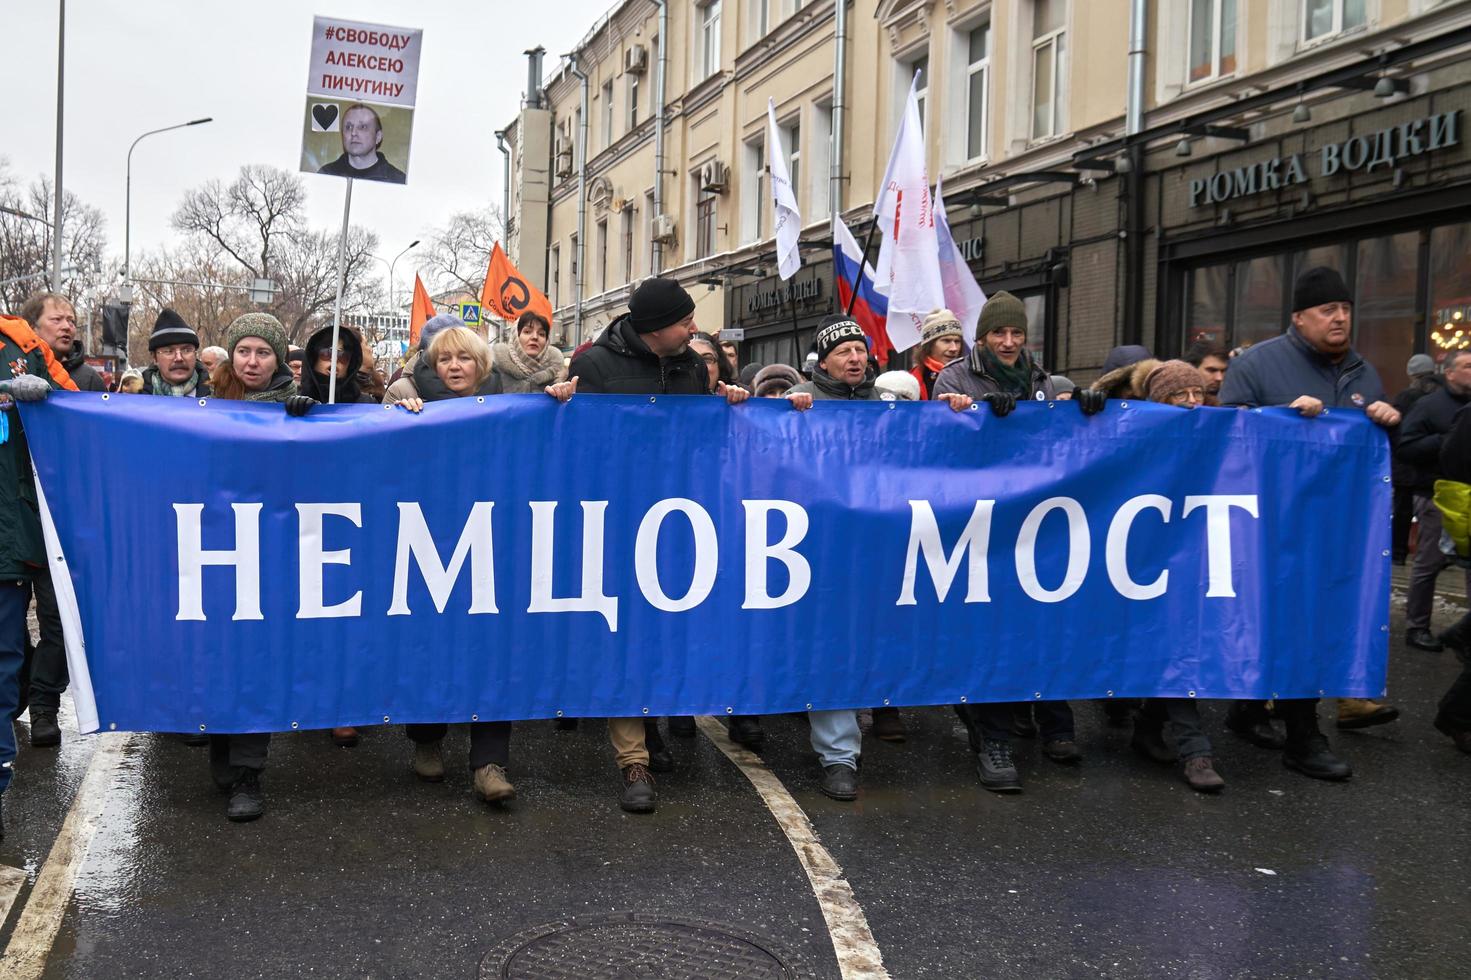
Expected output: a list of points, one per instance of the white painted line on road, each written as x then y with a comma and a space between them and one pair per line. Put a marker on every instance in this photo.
40, 919
858, 955
11, 880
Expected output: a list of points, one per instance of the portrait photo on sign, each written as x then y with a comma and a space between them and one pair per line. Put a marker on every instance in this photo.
344, 138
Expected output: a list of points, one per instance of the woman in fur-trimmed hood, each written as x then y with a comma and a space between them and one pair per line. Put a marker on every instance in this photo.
531, 361
1126, 380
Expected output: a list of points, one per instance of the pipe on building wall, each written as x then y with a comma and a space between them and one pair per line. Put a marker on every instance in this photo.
534, 98
500, 142
840, 105
1133, 313
579, 254
658, 248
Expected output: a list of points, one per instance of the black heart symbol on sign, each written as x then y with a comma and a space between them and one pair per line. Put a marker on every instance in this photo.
325, 114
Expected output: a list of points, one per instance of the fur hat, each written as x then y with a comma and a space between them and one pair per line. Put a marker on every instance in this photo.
773, 376
170, 329
941, 323
1171, 378
1002, 310
902, 385
261, 325
1127, 381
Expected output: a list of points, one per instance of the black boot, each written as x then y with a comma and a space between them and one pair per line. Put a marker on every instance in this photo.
247, 802
840, 782
1249, 720
1423, 639
746, 730
45, 732
660, 758
1312, 757
683, 725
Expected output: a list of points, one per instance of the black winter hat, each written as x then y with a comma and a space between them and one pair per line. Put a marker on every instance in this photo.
834, 330
658, 303
1317, 287
170, 329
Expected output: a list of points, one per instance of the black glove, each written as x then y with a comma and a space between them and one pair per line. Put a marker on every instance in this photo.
1001, 403
1089, 401
299, 405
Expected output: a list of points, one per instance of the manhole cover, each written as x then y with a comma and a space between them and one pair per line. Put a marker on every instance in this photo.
636, 947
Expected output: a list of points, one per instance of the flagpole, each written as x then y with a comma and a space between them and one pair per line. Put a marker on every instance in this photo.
337, 307
785, 290
867, 244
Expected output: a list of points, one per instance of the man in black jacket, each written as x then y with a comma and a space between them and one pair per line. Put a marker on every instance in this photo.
1423, 380
646, 351
1420, 438
1453, 714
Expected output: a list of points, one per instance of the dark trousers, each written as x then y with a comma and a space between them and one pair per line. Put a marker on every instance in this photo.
1299, 715
230, 754
1182, 717
1404, 513
14, 599
490, 741
46, 663
1454, 711
1054, 719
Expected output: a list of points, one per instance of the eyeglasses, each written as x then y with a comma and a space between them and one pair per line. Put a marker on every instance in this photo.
710, 358
176, 351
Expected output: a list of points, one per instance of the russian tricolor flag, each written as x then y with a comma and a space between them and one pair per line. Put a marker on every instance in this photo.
853, 275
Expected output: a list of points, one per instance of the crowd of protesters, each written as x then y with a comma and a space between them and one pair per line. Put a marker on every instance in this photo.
656, 348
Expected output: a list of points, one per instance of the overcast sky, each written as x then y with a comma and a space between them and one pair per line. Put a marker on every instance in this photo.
136, 65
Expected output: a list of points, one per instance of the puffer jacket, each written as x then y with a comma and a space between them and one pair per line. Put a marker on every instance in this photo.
21, 549
1276, 372
620, 363
1421, 433
825, 387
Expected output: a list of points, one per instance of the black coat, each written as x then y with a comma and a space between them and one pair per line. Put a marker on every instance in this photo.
1455, 449
620, 363
315, 385
1405, 474
1421, 433
83, 375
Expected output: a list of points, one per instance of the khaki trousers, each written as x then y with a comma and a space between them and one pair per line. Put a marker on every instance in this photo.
627, 736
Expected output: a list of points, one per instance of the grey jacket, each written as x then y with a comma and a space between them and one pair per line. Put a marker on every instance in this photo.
1274, 373
968, 376
824, 387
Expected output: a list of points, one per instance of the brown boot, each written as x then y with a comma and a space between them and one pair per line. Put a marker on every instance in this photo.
492, 785
1362, 712
429, 762
345, 737
1201, 774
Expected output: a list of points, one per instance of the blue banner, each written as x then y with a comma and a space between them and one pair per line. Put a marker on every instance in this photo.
225, 566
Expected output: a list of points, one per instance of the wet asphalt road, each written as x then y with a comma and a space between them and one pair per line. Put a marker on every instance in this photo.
1112, 869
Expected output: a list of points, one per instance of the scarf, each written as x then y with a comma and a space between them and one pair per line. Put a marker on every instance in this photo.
280, 388
524, 374
1014, 380
159, 386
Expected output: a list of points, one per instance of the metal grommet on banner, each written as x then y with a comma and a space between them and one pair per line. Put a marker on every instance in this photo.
886, 702
201, 728
1320, 692
1384, 553
388, 408
1038, 695
809, 706
474, 717
105, 396
893, 405
1387, 479
962, 699
1274, 696
1192, 694
652, 399
1052, 404
203, 402
1110, 694
385, 719
730, 711
559, 714
646, 711
112, 726
975, 406
480, 399
293, 726
1123, 404
1384, 628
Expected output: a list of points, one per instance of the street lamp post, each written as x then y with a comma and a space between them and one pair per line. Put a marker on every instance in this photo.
128, 205
391, 304
60, 101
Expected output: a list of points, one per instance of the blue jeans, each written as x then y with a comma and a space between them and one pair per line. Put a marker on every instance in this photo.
835, 737
14, 598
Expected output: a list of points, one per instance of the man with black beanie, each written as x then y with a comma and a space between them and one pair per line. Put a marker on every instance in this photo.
646, 351
176, 369
1311, 367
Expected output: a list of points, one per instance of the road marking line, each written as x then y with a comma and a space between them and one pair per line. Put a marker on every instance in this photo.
858, 954
40, 919
11, 880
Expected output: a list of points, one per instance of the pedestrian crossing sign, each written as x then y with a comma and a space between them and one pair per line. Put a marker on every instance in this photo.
470, 314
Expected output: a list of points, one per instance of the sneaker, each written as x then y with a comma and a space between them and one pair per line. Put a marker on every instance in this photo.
1423, 639
684, 726
998, 772
1362, 713
1461, 737
840, 782
746, 730
1150, 742
247, 802
888, 725
45, 732
345, 737
638, 789
1315, 759
660, 758
1062, 750
492, 785
429, 761
1201, 774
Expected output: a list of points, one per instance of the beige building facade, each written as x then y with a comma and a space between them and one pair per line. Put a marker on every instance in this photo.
1110, 236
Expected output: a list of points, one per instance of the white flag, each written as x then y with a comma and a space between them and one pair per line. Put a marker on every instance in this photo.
788, 223
963, 295
909, 258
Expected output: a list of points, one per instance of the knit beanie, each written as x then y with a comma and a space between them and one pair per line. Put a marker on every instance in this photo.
941, 323
834, 330
261, 325
1171, 378
775, 376
1318, 287
901, 384
658, 303
1002, 310
435, 324
170, 329
1420, 365
1063, 385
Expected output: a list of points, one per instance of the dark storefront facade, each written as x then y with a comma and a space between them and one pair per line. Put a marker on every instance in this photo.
1378, 189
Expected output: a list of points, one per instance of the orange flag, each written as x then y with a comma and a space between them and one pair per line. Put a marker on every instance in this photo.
420, 312
506, 292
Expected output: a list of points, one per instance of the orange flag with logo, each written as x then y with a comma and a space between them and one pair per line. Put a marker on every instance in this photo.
420, 313
507, 293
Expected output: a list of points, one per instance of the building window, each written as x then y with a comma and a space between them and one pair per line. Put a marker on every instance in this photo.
607, 114
704, 222
792, 137
1212, 39
1049, 68
632, 102
709, 38
574, 262
1324, 18
760, 19
753, 190
602, 256
819, 161
554, 262
628, 253
922, 65
978, 84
